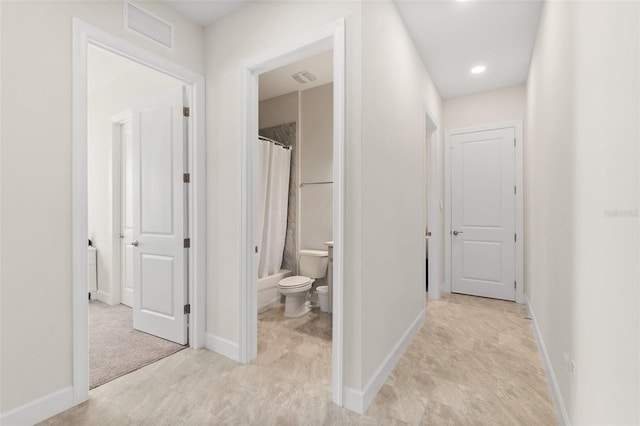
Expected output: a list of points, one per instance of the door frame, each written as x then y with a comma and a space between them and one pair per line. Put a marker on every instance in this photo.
83, 35
432, 135
517, 126
117, 121
332, 37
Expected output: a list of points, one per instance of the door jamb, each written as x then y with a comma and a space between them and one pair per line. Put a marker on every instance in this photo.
83, 35
517, 126
117, 121
332, 37
435, 201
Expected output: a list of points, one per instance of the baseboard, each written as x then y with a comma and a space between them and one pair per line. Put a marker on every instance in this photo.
353, 400
222, 346
103, 297
359, 401
40, 409
556, 396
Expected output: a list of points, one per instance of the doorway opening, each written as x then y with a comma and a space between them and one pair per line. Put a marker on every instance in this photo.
119, 339
164, 146
331, 39
294, 211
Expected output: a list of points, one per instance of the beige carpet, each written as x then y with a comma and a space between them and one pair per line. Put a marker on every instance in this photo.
115, 348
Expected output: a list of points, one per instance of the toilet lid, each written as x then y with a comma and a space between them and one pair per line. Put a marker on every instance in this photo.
295, 281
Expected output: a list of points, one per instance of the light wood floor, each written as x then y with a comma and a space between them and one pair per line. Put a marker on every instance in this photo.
473, 362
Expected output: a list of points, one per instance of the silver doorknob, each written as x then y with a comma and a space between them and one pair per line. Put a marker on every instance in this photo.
457, 232
134, 243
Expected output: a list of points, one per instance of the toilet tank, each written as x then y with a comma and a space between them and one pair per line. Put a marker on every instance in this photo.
313, 263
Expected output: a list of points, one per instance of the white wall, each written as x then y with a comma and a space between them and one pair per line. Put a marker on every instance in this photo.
384, 168
278, 110
112, 98
396, 87
582, 266
36, 322
316, 165
489, 107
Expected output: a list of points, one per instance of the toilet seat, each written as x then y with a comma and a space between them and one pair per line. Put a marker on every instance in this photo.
297, 281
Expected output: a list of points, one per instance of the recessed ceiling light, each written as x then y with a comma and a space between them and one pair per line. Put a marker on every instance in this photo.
478, 69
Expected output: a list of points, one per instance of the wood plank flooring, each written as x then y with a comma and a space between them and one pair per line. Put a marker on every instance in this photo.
473, 362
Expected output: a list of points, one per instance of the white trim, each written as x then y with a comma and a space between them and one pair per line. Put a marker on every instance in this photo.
554, 388
519, 132
353, 400
435, 199
117, 121
103, 296
40, 409
83, 35
360, 401
517, 126
222, 346
332, 37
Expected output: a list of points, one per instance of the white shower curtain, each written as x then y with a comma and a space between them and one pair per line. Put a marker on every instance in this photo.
272, 203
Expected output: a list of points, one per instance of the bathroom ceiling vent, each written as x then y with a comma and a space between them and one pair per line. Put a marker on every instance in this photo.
304, 77
140, 21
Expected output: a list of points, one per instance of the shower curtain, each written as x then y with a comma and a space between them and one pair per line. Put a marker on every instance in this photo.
273, 200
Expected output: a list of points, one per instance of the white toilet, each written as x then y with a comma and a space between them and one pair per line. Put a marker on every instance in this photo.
312, 265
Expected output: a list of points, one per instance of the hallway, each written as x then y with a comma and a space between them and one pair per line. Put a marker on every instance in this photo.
474, 361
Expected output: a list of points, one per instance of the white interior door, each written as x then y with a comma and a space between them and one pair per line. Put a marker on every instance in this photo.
483, 213
159, 195
126, 214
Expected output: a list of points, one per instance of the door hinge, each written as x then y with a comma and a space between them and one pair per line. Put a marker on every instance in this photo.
187, 242
187, 309
514, 189
186, 111
515, 237
514, 141
186, 177
514, 284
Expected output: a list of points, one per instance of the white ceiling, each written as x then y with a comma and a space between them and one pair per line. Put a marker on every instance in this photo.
453, 36
205, 11
279, 81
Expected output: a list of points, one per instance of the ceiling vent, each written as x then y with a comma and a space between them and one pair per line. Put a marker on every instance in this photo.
304, 77
140, 21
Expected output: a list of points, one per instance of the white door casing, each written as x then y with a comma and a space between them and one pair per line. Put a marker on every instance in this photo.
160, 284
126, 214
483, 211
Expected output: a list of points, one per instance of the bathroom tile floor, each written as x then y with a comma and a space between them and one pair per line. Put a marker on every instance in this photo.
473, 362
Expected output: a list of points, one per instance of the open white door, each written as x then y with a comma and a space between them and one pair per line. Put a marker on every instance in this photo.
159, 265
483, 213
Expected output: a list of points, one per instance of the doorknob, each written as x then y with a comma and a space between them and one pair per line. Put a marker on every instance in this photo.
457, 232
134, 243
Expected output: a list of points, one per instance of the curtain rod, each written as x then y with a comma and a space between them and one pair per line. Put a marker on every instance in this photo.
275, 142
314, 183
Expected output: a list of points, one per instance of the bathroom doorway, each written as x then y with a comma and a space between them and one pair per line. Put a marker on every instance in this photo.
330, 40
294, 211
